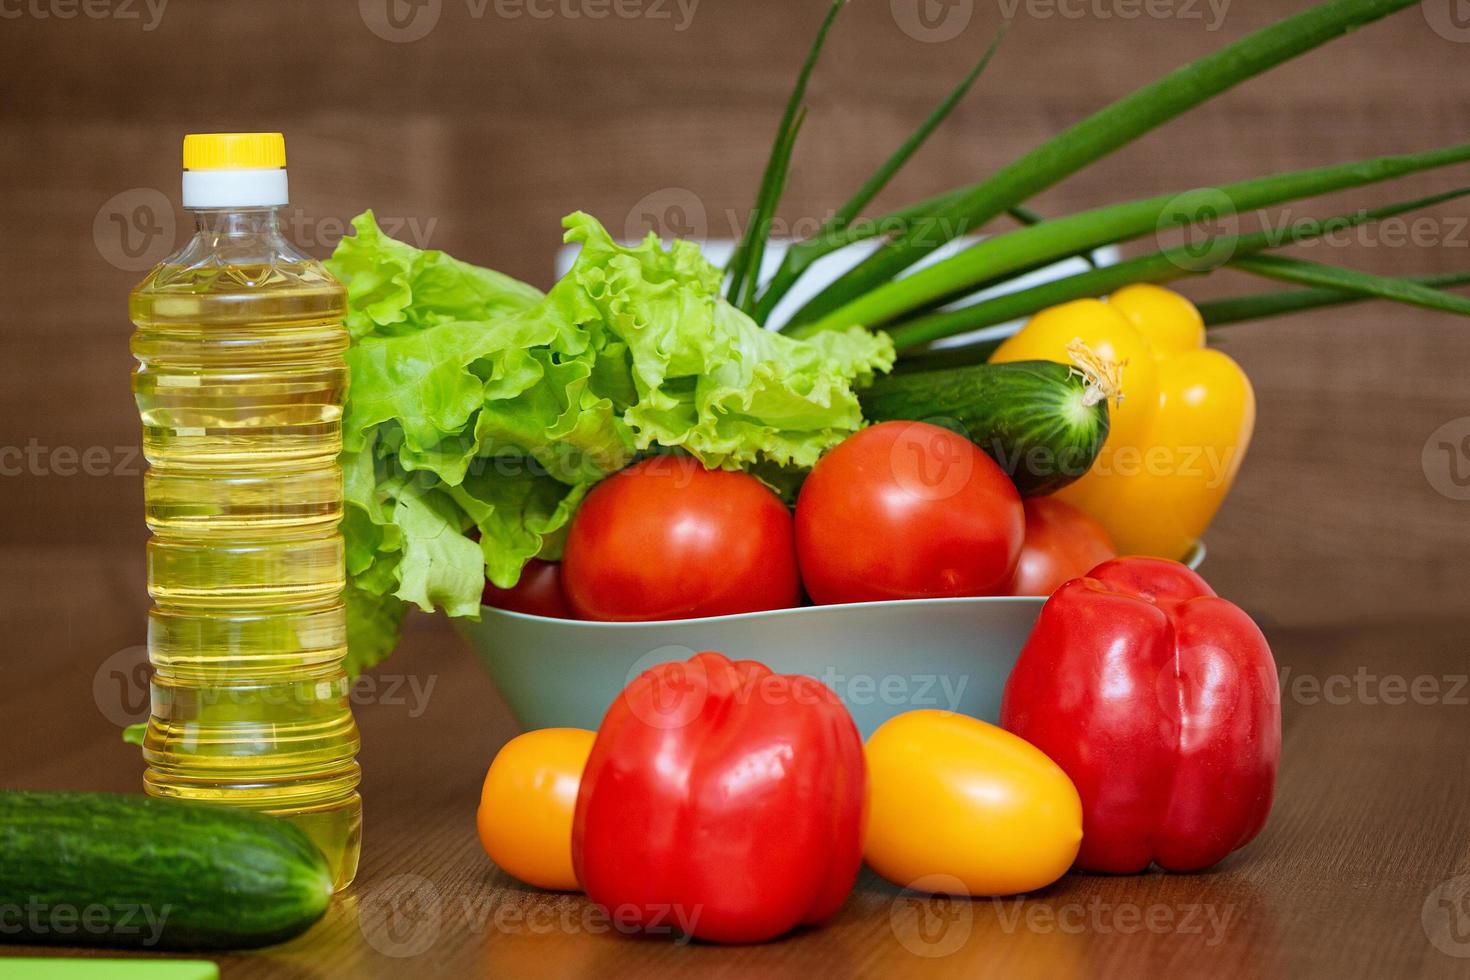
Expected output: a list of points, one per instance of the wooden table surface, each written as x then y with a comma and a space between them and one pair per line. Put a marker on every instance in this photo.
1363, 870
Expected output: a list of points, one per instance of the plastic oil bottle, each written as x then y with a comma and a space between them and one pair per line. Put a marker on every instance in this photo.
240, 381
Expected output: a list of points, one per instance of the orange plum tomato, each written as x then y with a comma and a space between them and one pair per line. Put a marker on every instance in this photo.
907, 510
527, 803
668, 539
959, 806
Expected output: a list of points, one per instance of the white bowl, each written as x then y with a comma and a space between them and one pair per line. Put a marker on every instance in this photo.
881, 658
829, 268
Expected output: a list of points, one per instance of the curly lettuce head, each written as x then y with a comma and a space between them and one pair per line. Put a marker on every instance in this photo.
480, 410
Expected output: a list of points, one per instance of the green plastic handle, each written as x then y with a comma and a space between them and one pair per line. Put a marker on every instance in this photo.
66, 968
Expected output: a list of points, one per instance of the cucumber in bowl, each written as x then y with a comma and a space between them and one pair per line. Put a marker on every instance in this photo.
1043, 422
105, 869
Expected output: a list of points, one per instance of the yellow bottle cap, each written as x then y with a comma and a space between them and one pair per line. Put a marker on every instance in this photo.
234, 151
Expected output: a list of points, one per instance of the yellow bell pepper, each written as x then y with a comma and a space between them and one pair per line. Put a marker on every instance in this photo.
1179, 433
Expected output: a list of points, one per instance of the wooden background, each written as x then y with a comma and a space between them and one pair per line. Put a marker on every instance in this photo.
477, 137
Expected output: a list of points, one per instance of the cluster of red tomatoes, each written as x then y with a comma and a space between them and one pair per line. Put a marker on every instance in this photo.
900, 510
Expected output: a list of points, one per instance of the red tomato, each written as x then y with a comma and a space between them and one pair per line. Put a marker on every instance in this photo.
906, 510
538, 592
1062, 543
668, 539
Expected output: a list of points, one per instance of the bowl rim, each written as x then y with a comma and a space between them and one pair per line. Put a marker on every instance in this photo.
1193, 559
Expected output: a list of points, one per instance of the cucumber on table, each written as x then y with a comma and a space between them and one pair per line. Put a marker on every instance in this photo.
102, 869
1043, 422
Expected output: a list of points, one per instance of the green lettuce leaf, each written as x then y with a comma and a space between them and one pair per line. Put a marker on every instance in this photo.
708, 378
481, 411
394, 288
372, 627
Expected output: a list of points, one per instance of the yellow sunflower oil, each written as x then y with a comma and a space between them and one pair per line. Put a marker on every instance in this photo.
240, 381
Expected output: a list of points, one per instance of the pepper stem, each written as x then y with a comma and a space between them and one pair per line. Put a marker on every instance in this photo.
1103, 377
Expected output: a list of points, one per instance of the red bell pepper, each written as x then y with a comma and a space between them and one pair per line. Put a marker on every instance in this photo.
1160, 700
724, 799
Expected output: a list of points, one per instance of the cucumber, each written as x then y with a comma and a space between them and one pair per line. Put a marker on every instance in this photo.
102, 869
1044, 423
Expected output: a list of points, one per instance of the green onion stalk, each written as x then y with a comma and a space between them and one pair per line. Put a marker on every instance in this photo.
925, 305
